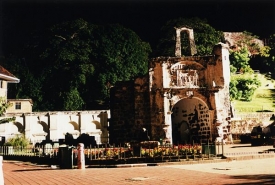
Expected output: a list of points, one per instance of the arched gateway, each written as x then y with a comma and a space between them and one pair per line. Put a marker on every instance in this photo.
179, 101
190, 121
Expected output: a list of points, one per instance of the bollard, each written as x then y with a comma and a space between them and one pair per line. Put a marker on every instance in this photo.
80, 156
222, 147
1, 171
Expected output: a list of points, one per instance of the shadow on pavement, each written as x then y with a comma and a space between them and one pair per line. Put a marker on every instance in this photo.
255, 179
36, 169
240, 146
245, 146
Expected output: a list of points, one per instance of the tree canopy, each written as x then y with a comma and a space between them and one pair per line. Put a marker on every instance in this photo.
73, 64
239, 61
205, 37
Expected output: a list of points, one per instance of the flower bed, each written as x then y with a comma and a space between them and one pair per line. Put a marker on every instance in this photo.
171, 151
145, 150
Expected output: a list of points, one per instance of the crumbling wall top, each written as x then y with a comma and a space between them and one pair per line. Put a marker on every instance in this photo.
191, 41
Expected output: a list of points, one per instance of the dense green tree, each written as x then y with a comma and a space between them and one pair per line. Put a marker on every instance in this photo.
239, 61
67, 65
29, 86
205, 37
82, 61
271, 59
242, 87
266, 63
72, 65
120, 55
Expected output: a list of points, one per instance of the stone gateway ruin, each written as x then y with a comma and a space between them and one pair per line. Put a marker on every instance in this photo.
183, 99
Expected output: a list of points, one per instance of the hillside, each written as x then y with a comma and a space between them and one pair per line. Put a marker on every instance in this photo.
262, 101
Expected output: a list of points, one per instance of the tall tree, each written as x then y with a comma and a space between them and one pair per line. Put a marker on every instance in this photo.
67, 65
205, 37
29, 86
120, 55
83, 60
267, 63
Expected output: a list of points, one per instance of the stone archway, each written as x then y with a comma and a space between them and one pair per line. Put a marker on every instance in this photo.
190, 121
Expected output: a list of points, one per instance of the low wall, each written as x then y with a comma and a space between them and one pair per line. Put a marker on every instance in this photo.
244, 123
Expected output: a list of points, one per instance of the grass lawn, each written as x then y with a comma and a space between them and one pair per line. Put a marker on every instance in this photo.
263, 99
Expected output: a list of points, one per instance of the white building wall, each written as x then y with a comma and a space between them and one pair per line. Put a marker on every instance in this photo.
38, 126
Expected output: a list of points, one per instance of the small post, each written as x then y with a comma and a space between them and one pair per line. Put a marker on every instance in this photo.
1, 171
218, 143
208, 149
120, 151
80, 156
222, 149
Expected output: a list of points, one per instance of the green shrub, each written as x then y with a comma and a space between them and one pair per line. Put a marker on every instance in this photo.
243, 87
17, 141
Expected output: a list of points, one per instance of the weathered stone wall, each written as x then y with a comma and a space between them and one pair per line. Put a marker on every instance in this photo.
142, 108
243, 123
122, 110
156, 99
196, 88
178, 102
130, 111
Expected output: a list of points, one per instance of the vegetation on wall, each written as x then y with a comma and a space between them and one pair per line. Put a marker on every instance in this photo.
3, 107
205, 37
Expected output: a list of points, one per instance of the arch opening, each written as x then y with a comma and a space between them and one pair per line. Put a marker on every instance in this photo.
190, 121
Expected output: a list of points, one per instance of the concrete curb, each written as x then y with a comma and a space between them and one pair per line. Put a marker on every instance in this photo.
250, 157
188, 162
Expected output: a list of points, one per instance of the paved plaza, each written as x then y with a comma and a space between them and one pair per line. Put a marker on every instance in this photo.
229, 171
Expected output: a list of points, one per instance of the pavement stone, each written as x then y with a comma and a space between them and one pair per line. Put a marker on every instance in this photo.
241, 168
